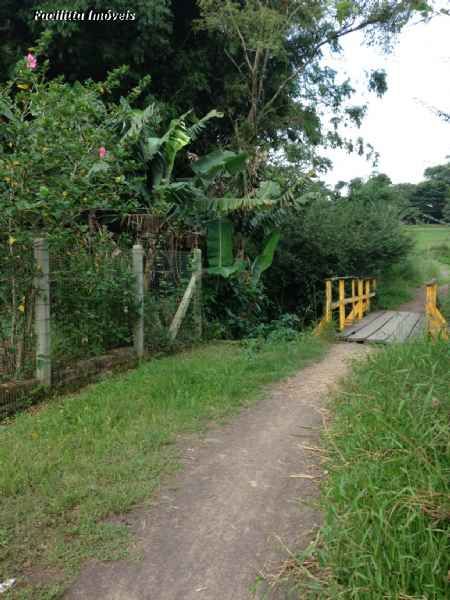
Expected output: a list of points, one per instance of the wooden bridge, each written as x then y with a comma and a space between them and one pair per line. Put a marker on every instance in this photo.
356, 323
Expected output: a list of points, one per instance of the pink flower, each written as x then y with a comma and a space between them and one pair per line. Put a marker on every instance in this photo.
31, 62
102, 152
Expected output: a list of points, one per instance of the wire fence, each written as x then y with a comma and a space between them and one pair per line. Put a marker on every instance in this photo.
88, 312
17, 298
167, 276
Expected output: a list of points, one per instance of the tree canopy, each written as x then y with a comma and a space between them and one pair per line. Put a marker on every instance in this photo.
260, 62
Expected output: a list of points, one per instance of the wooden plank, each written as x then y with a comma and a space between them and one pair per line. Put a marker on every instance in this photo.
182, 309
396, 329
376, 318
403, 333
357, 325
419, 328
372, 327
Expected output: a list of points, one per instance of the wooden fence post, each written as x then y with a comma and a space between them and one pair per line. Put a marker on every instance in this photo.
197, 268
328, 300
138, 270
436, 323
42, 312
368, 295
354, 300
341, 304
360, 298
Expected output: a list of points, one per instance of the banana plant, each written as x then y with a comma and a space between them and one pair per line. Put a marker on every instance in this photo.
220, 252
158, 154
220, 230
198, 195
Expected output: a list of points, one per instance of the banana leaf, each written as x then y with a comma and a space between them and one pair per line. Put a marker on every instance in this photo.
220, 246
219, 160
265, 259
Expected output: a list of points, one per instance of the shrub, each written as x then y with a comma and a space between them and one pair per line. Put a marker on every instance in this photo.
234, 308
331, 239
92, 301
59, 151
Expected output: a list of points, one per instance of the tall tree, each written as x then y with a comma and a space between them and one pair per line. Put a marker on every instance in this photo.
276, 50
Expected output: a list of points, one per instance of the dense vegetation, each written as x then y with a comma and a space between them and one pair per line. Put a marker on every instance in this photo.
201, 122
213, 128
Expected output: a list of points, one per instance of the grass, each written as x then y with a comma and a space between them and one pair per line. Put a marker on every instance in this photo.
399, 283
433, 245
386, 500
428, 236
430, 259
445, 305
80, 459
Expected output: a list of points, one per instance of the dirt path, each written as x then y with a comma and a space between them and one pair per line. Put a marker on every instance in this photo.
219, 521
418, 303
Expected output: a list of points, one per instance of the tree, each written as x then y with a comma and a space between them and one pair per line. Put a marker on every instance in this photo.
431, 195
275, 48
259, 61
80, 49
446, 211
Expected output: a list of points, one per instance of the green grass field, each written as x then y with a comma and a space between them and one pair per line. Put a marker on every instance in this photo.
386, 499
429, 236
82, 458
430, 259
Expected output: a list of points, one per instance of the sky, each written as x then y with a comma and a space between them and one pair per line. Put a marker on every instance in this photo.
407, 135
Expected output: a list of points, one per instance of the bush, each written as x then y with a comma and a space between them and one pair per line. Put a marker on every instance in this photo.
331, 239
441, 252
92, 299
234, 308
59, 152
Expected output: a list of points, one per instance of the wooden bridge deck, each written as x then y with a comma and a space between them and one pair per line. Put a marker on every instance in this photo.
384, 327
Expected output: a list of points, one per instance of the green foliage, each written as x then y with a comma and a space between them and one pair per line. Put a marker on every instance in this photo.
220, 247
76, 43
444, 307
399, 282
234, 308
332, 239
265, 259
441, 252
259, 62
219, 161
446, 211
385, 498
286, 328
432, 195
92, 301
50, 169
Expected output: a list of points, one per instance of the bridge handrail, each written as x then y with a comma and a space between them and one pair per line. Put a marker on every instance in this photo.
436, 322
362, 289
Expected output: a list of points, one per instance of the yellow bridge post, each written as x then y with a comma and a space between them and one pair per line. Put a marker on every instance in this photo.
367, 295
355, 300
328, 300
341, 304
360, 299
362, 290
436, 323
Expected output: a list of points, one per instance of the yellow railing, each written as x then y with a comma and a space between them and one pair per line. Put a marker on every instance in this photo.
436, 322
353, 293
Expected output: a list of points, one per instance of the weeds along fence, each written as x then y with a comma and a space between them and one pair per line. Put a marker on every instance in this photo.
69, 313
